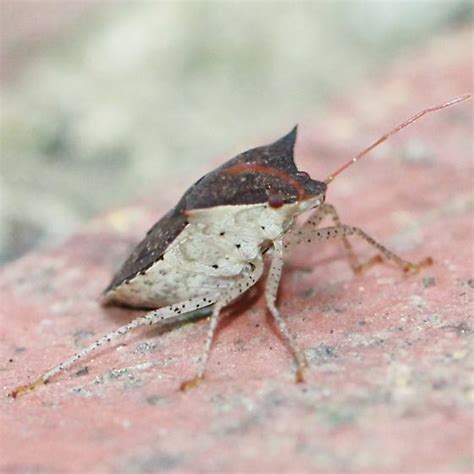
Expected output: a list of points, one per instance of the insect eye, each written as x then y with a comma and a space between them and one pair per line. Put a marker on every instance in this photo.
275, 200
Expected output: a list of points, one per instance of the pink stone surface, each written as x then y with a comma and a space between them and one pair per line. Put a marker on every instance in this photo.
388, 388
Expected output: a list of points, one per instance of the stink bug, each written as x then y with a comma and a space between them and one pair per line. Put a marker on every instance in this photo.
208, 250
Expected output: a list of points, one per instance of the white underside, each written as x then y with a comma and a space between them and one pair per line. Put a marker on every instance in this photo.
217, 245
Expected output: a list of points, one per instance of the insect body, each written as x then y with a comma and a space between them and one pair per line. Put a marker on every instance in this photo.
218, 229
209, 249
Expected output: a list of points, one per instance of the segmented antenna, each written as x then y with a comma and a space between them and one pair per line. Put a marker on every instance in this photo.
415, 117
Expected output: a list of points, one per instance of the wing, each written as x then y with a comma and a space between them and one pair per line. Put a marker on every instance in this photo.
151, 248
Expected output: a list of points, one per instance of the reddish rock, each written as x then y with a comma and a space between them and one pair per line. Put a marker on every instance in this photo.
388, 386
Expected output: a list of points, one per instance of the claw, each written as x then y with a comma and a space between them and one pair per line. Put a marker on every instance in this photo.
426, 262
362, 267
22, 389
411, 268
188, 384
300, 374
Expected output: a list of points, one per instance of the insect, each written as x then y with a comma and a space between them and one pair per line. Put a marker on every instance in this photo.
209, 249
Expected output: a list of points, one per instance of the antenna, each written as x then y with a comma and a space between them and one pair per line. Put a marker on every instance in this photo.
415, 117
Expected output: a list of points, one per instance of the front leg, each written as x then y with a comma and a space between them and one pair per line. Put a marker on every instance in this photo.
271, 291
313, 222
341, 231
330, 211
309, 231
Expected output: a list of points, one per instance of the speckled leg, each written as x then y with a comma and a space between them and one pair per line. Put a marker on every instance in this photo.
271, 291
149, 319
309, 233
241, 285
313, 222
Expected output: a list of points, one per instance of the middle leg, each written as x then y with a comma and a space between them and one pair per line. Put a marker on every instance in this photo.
240, 286
271, 291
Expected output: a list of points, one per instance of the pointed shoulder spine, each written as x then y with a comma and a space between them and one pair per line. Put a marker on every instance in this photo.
288, 141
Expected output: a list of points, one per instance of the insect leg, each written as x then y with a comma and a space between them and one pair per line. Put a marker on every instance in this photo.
149, 319
329, 210
341, 231
271, 291
240, 286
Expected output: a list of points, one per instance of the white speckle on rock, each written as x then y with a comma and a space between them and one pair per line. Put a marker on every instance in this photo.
417, 301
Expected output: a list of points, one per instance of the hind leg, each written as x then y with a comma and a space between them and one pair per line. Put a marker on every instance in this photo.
152, 317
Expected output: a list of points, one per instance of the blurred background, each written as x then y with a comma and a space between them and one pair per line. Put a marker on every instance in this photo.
104, 102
